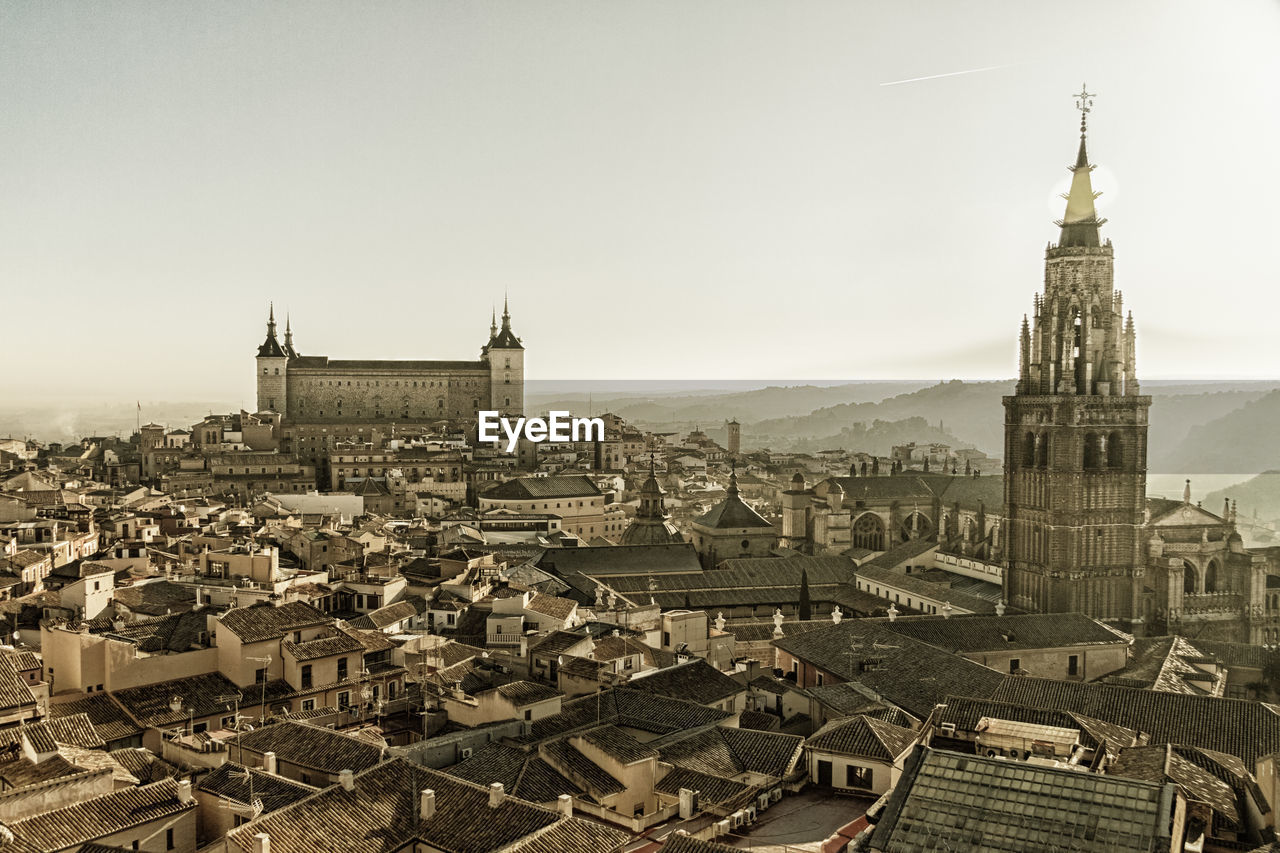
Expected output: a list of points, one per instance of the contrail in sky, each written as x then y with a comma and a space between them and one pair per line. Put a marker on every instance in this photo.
948, 74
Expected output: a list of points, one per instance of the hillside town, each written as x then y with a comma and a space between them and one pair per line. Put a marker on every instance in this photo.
343, 622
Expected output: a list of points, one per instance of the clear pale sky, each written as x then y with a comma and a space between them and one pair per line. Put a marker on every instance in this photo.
666, 189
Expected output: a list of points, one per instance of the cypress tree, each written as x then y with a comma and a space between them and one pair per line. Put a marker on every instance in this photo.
806, 608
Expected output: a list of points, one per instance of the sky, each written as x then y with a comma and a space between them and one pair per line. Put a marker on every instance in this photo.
664, 190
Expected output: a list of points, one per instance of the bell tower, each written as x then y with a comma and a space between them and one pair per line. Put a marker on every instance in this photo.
1075, 433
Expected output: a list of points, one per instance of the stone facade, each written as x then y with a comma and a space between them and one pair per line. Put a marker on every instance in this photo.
319, 390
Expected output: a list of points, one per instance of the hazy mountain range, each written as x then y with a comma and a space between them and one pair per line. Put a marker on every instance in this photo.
1196, 427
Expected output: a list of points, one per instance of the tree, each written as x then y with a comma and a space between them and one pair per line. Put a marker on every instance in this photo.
805, 610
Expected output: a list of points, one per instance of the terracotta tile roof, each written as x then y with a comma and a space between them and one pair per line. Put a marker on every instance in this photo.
711, 788
102, 816
544, 488
910, 674
523, 774
864, 737
14, 692
521, 693
383, 810
108, 718
722, 751
696, 681
384, 616
72, 730
322, 647
627, 708
569, 761
553, 606
144, 764
255, 624
149, 704
1248, 730
619, 745
311, 747
231, 781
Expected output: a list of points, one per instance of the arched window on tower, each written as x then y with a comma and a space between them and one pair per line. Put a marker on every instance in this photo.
1189, 578
1092, 451
1042, 450
1029, 449
1115, 450
1211, 577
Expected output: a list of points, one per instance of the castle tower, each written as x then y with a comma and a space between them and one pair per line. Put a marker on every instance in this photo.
506, 368
273, 377
1075, 446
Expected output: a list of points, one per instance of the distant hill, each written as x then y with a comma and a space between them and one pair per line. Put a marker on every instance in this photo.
971, 413
674, 409
1241, 441
1260, 495
878, 437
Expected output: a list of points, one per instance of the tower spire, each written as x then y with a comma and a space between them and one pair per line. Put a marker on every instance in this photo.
1081, 222
493, 324
506, 314
288, 337
271, 320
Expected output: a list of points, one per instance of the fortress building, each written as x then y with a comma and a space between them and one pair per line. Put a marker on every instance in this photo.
315, 389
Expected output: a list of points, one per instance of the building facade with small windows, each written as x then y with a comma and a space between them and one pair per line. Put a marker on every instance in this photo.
317, 389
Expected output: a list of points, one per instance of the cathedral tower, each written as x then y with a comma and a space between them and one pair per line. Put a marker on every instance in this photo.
272, 370
1075, 431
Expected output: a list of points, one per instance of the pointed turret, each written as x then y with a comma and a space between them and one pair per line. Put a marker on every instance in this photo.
505, 339
288, 339
1081, 222
271, 347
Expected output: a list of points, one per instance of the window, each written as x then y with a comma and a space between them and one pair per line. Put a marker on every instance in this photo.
260, 676
857, 777
306, 676
1073, 665
168, 839
308, 704
199, 727
344, 700
227, 722
342, 669
528, 714
1015, 664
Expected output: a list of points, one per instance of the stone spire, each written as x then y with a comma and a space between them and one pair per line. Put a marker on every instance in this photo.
1080, 223
271, 346
288, 339
505, 338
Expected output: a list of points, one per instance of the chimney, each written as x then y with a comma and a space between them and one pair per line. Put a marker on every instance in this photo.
262, 843
496, 795
348, 780
564, 805
269, 762
427, 805
184, 791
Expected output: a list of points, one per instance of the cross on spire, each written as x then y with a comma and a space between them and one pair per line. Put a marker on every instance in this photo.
1084, 103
